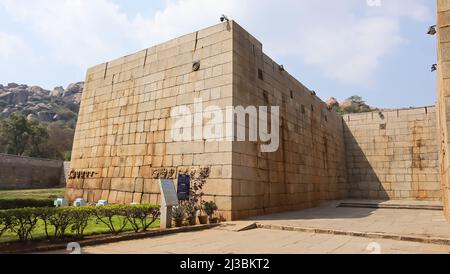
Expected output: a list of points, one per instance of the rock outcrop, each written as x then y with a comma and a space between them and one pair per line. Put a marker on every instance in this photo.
60, 104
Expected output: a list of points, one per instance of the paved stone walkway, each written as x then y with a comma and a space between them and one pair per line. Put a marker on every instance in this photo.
261, 241
413, 222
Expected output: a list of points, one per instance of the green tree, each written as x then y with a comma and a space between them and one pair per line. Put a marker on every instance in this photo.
19, 136
14, 134
37, 146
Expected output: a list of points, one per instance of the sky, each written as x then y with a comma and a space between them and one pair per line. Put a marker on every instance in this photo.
377, 49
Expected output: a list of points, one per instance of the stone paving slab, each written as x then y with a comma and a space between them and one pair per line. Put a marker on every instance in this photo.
405, 222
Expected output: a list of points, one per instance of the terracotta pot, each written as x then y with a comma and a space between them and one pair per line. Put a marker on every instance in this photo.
203, 220
178, 223
192, 220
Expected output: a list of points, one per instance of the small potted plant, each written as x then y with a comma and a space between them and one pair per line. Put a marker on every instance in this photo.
210, 208
191, 213
178, 215
203, 219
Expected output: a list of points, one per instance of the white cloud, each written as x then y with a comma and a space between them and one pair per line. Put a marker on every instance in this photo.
346, 40
12, 46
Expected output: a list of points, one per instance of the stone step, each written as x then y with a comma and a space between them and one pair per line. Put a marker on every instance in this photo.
370, 235
392, 206
237, 226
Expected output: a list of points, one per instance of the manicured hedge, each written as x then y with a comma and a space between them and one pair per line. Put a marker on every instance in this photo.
23, 222
23, 203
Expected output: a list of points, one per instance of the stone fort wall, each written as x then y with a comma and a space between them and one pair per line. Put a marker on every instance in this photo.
309, 166
123, 143
30, 173
123, 139
443, 105
393, 154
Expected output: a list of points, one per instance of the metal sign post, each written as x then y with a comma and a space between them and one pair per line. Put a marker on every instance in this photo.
169, 199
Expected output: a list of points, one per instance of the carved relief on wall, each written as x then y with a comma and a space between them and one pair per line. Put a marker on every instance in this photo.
164, 173
195, 172
171, 173
74, 174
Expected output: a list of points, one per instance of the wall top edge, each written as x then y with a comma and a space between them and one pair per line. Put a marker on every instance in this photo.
29, 158
386, 111
231, 22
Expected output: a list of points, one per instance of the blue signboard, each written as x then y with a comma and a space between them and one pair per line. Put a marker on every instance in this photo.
184, 187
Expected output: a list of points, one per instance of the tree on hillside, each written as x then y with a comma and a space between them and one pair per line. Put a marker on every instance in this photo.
19, 136
37, 146
353, 104
14, 135
61, 138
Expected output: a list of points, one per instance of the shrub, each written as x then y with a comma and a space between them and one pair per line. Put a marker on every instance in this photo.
3, 223
191, 212
141, 217
107, 214
210, 208
45, 214
61, 218
21, 221
178, 215
80, 219
24, 203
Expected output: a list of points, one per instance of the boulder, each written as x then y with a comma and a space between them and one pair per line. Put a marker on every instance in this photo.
15, 96
332, 102
77, 98
73, 89
43, 106
31, 117
45, 116
12, 85
6, 97
346, 104
20, 96
38, 91
57, 92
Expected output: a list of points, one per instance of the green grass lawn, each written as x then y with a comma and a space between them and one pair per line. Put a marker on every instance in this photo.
32, 193
94, 228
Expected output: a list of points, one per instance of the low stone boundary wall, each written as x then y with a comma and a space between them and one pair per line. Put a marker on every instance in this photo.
30, 173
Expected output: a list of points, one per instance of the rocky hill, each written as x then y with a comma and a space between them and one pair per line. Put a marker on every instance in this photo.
47, 106
354, 104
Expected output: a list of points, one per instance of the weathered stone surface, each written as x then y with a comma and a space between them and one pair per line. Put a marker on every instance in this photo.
443, 105
393, 154
28, 173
